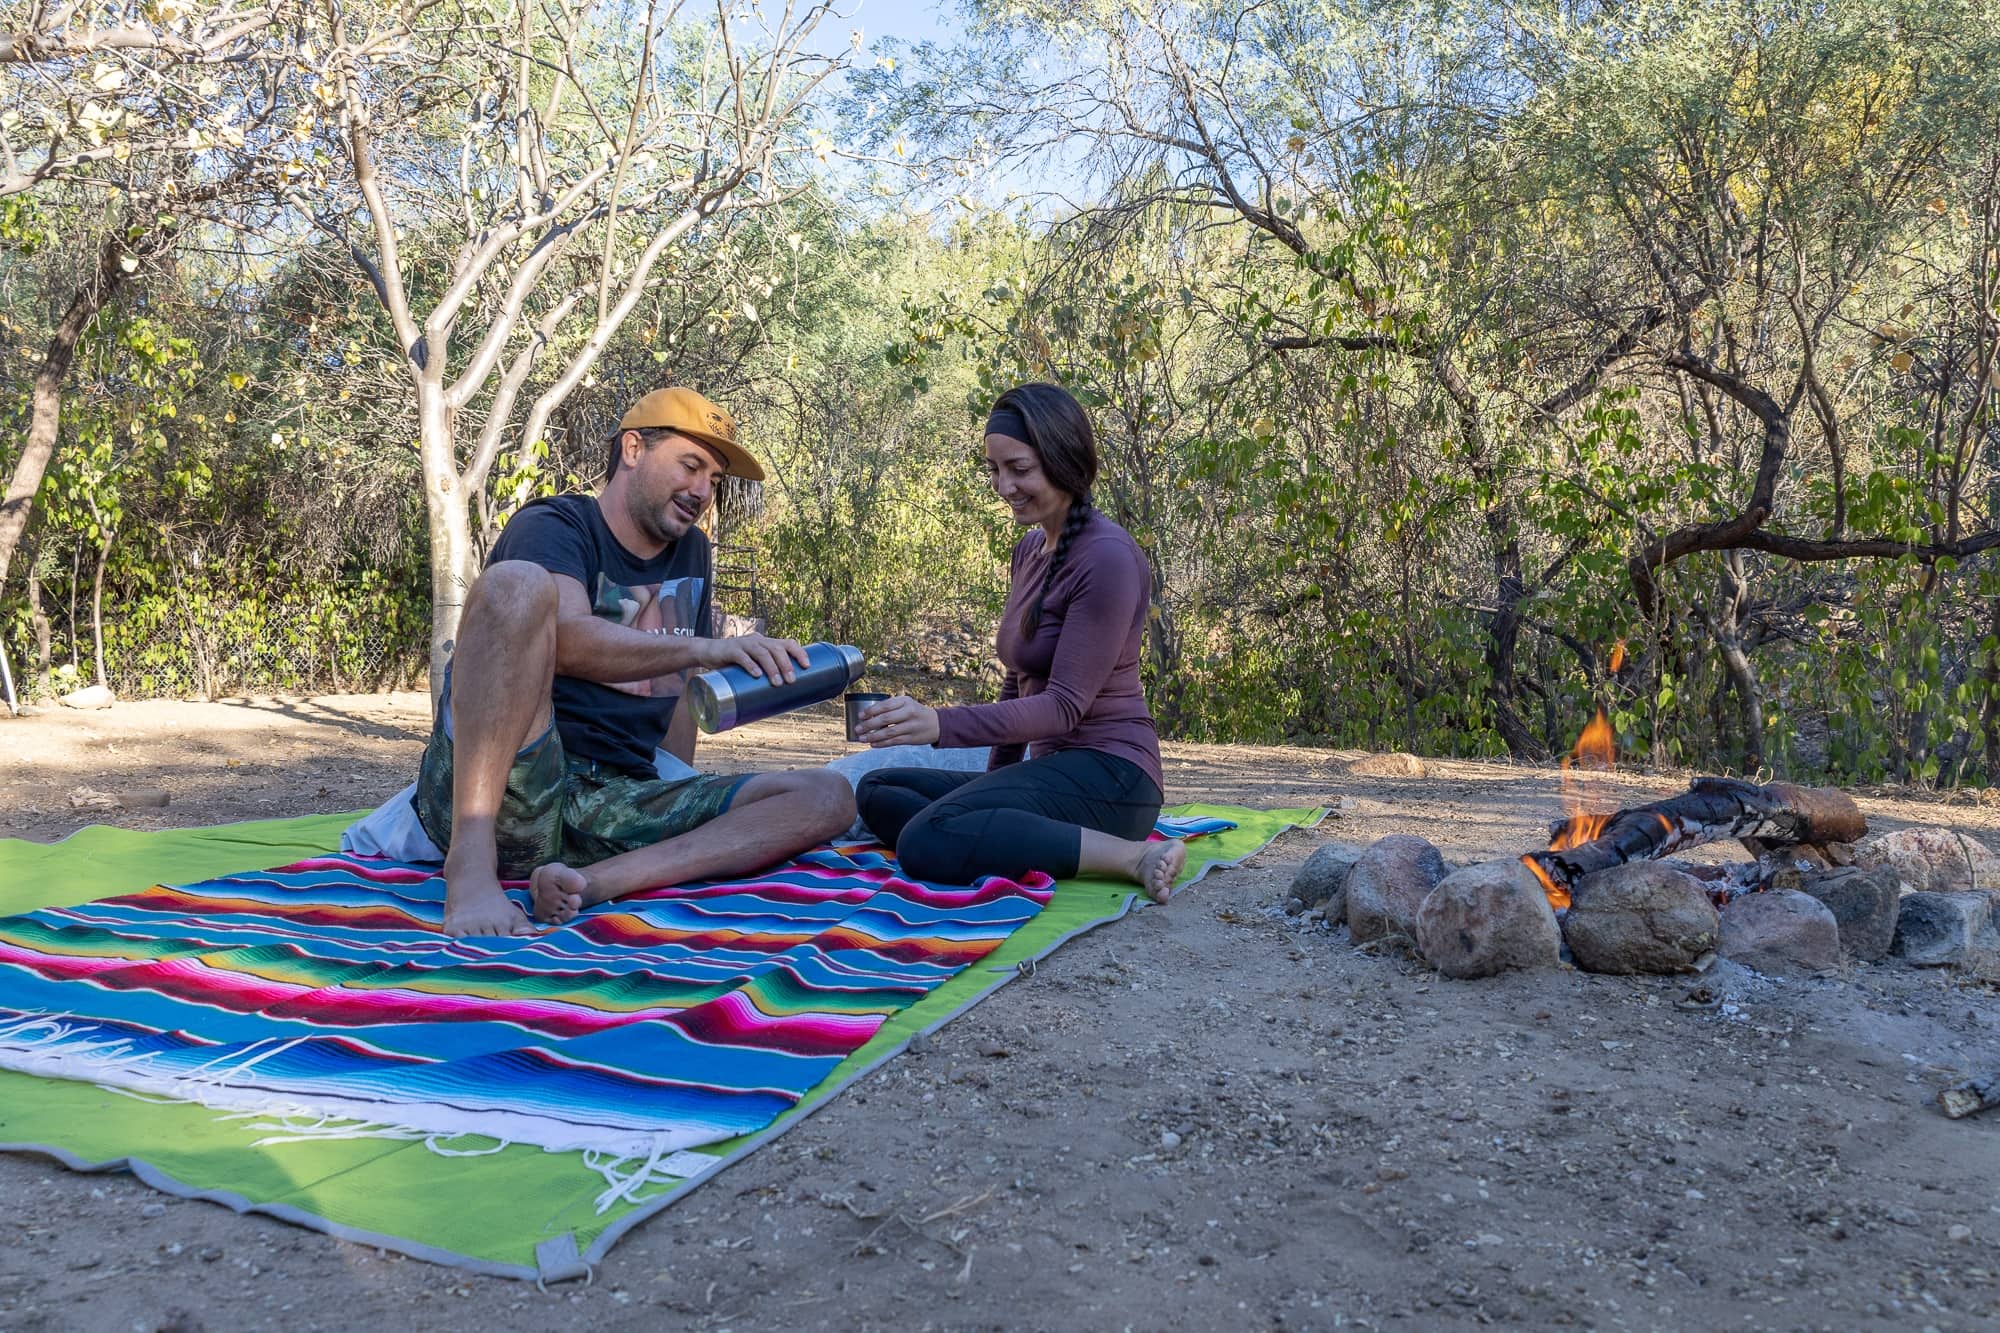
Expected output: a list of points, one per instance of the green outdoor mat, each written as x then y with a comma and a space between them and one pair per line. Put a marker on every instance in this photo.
400, 1195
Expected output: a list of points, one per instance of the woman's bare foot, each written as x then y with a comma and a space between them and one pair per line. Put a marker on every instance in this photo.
475, 904
559, 892
1160, 866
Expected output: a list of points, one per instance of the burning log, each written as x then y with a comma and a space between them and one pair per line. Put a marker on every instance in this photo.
1711, 809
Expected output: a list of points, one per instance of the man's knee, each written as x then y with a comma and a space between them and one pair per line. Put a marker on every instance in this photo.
514, 591
828, 795
834, 796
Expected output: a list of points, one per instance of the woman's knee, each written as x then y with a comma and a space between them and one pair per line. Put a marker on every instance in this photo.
870, 788
926, 851
921, 853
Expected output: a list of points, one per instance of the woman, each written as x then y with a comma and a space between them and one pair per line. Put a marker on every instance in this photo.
1088, 792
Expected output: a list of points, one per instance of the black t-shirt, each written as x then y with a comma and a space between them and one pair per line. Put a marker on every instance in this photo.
672, 593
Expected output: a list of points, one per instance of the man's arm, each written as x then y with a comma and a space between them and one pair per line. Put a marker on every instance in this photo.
590, 647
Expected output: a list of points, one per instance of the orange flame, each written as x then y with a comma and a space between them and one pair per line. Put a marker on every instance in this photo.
1589, 810
1558, 896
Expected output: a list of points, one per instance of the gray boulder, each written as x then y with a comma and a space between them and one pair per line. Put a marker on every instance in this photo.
1934, 860
1952, 929
1322, 880
1865, 902
1781, 933
1640, 917
1387, 885
1488, 919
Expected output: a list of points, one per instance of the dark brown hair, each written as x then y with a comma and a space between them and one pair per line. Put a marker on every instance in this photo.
1059, 433
647, 434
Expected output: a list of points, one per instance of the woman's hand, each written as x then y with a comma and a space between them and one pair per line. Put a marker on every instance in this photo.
898, 721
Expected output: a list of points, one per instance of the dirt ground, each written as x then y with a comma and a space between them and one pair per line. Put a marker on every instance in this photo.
1204, 1116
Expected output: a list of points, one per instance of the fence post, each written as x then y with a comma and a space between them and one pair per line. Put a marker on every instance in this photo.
7, 680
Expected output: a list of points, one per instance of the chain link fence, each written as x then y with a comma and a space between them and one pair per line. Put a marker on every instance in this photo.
319, 649
339, 643
325, 647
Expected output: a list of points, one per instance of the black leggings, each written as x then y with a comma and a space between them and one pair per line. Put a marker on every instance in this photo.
951, 828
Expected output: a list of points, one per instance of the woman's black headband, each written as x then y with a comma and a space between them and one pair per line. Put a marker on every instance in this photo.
1007, 420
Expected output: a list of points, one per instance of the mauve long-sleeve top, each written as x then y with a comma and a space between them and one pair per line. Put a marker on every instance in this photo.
1075, 683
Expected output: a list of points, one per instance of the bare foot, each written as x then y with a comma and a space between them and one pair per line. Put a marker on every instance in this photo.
1160, 867
558, 892
475, 904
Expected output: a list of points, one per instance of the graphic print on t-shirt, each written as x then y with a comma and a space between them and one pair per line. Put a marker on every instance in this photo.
665, 608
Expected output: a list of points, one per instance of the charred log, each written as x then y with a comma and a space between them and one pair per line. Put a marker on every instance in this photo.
1711, 809
1975, 1094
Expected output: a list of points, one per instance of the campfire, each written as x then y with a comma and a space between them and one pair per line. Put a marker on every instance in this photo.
1611, 894
1595, 751
1782, 825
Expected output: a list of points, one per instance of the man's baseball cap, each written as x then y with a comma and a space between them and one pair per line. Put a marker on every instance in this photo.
690, 414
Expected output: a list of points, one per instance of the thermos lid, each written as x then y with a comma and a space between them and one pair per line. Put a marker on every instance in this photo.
713, 700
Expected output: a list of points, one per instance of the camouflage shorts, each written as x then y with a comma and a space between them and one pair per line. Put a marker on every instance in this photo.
571, 810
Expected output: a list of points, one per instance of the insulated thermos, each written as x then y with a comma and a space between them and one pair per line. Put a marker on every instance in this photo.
730, 696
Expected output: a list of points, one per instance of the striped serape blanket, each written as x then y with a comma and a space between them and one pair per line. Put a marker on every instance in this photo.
1189, 826
322, 997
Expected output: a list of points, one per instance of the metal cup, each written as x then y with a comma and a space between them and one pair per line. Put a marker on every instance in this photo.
856, 705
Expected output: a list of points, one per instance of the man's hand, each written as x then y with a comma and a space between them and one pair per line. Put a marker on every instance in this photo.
898, 721
757, 654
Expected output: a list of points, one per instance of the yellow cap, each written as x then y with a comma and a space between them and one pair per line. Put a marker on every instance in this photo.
690, 414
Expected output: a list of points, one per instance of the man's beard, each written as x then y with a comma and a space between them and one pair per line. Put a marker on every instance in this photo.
654, 521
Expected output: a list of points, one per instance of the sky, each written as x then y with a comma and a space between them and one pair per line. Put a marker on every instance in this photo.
909, 20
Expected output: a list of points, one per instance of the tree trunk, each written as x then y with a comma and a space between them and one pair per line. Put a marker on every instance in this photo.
1503, 638
1163, 646
40, 620
97, 605
1733, 596
45, 414
448, 513
1710, 809
1989, 719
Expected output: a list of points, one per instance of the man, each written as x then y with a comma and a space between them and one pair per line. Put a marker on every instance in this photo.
566, 676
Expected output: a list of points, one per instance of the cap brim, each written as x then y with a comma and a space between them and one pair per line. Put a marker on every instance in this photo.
741, 464
737, 460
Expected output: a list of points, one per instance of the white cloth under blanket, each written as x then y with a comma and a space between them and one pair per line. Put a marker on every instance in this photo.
852, 766
393, 830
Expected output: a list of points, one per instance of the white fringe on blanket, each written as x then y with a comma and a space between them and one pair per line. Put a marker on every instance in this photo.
662, 1166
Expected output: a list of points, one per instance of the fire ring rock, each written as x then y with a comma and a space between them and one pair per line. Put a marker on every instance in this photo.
1487, 919
1865, 902
1640, 917
1323, 879
1781, 933
1934, 860
1388, 884
1946, 929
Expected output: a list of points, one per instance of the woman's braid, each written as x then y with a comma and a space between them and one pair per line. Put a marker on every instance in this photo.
1079, 514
